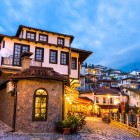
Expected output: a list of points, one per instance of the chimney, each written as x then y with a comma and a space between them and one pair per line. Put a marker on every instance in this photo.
25, 60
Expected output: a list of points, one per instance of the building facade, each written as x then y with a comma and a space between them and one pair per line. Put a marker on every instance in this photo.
39, 64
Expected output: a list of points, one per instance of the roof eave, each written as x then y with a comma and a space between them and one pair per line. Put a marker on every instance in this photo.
23, 26
28, 77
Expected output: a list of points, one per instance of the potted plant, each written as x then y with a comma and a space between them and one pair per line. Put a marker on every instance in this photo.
67, 127
70, 125
74, 122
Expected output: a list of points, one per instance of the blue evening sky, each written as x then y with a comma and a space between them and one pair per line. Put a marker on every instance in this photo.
109, 28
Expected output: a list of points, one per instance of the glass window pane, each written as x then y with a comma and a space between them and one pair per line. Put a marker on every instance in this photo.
40, 110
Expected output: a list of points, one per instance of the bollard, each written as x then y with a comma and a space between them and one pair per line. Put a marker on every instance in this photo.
127, 119
138, 123
115, 116
120, 118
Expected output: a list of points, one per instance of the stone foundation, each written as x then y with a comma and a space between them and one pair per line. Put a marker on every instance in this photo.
6, 107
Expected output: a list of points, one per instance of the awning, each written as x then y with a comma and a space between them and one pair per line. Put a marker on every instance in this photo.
109, 106
79, 100
72, 96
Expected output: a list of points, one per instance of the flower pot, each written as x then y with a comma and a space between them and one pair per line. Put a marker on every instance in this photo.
66, 131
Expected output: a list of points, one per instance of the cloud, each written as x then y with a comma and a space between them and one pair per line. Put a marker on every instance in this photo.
108, 28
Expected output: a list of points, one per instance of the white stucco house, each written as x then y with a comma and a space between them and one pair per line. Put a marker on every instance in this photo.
50, 49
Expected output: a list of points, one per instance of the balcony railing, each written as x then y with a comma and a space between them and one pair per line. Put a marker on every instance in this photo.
9, 62
36, 63
89, 81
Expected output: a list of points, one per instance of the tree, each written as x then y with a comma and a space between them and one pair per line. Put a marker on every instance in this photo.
126, 107
135, 110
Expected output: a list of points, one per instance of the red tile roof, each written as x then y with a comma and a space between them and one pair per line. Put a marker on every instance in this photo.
3, 80
86, 92
39, 72
103, 91
106, 80
36, 72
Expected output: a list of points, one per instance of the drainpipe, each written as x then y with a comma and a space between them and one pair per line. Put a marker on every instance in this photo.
63, 102
15, 106
69, 65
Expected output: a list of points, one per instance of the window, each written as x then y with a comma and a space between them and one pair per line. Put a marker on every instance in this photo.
60, 41
53, 56
40, 105
104, 100
64, 58
111, 101
97, 99
43, 37
30, 35
39, 54
18, 50
74, 63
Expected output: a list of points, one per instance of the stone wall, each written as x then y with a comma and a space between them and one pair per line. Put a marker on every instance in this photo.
25, 92
6, 107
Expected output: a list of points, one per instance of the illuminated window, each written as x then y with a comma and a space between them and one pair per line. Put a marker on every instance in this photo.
111, 101
40, 105
104, 100
97, 99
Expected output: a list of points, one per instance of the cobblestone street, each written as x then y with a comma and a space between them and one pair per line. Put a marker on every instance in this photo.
95, 129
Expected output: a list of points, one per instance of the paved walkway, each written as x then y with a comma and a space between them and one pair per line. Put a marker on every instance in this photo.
95, 129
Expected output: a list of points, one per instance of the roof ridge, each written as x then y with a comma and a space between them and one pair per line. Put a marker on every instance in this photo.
53, 32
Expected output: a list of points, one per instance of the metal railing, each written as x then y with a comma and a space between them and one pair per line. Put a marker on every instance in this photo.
9, 62
36, 63
129, 120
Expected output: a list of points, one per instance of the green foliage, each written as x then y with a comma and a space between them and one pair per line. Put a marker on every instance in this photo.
59, 123
126, 107
66, 123
74, 121
113, 78
70, 122
135, 110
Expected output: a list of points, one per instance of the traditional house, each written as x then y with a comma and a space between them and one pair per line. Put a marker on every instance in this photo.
33, 91
134, 96
107, 83
107, 100
103, 100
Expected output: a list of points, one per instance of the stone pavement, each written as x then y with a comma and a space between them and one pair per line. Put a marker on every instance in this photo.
95, 129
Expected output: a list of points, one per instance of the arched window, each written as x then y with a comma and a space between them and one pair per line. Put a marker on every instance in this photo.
40, 105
